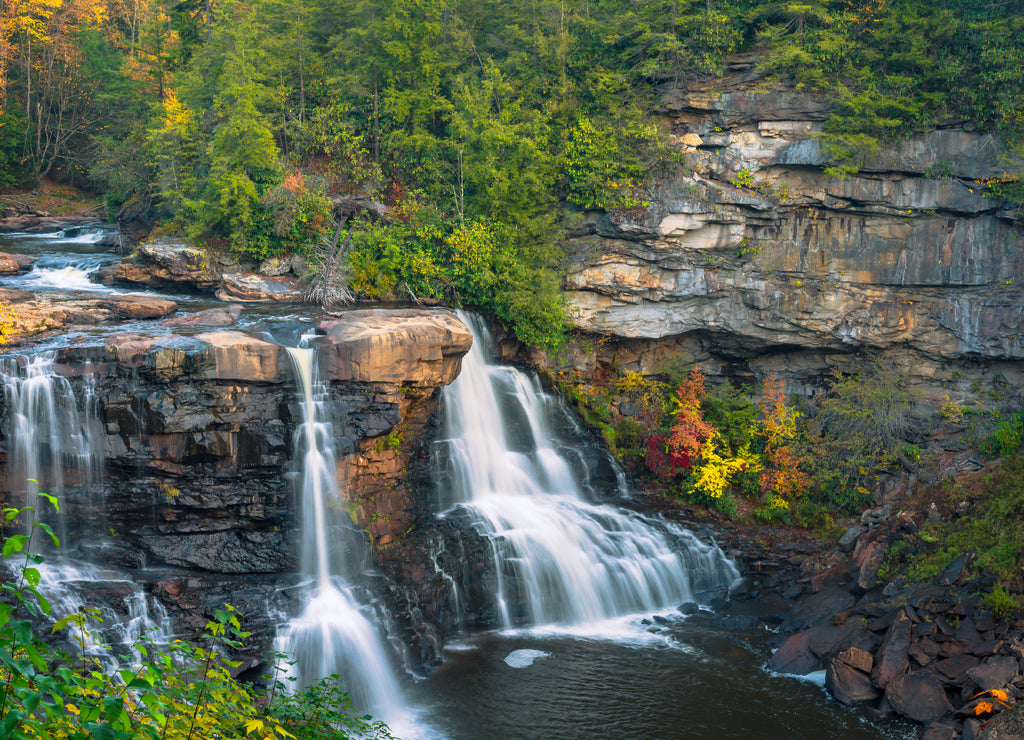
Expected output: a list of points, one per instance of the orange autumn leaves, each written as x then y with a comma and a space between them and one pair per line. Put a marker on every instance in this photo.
985, 706
695, 446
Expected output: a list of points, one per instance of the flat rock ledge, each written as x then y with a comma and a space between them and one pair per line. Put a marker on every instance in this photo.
408, 347
413, 347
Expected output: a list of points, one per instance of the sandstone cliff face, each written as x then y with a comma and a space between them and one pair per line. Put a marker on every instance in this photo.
760, 261
197, 447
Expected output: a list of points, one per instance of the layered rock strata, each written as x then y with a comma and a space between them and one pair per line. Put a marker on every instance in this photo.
757, 260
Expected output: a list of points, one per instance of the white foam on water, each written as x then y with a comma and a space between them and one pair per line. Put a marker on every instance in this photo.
525, 657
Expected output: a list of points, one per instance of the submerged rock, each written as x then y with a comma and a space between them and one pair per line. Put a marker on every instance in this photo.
524, 658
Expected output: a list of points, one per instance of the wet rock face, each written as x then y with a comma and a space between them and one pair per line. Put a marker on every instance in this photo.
761, 253
197, 440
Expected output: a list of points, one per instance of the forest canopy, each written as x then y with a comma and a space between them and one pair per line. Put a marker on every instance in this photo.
483, 124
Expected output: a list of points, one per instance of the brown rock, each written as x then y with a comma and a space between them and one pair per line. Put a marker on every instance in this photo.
410, 347
804, 651
251, 288
13, 295
918, 696
11, 264
893, 656
210, 317
136, 306
238, 356
1008, 726
128, 348
860, 659
956, 667
847, 684
937, 731
972, 729
815, 609
872, 558
995, 672
171, 262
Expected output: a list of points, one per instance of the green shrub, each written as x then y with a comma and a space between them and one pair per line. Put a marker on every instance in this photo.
1002, 603
473, 264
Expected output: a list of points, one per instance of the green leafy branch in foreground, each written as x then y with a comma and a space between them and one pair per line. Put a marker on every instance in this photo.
178, 691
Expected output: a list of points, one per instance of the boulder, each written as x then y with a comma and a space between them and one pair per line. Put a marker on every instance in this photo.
956, 668
893, 656
252, 288
849, 538
995, 672
135, 306
169, 263
1007, 726
848, 684
939, 731
860, 659
918, 696
239, 356
872, 558
11, 264
128, 349
225, 316
817, 608
410, 347
135, 218
803, 652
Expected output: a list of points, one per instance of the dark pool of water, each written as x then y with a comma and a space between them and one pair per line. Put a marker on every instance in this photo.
700, 684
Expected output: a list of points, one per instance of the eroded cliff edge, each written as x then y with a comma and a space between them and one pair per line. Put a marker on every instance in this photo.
753, 259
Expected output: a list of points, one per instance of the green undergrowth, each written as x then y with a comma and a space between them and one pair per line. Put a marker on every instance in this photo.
747, 450
177, 691
993, 530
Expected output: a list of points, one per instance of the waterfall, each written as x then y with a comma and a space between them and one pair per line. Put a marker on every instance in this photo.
51, 442
55, 445
331, 635
565, 560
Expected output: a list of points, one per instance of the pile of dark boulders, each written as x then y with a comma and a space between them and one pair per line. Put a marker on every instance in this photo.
928, 652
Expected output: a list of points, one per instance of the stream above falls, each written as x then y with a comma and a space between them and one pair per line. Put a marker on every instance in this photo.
576, 577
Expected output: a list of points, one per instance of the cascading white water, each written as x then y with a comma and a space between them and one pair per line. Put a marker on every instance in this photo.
569, 561
55, 445
331, 635
49, 438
